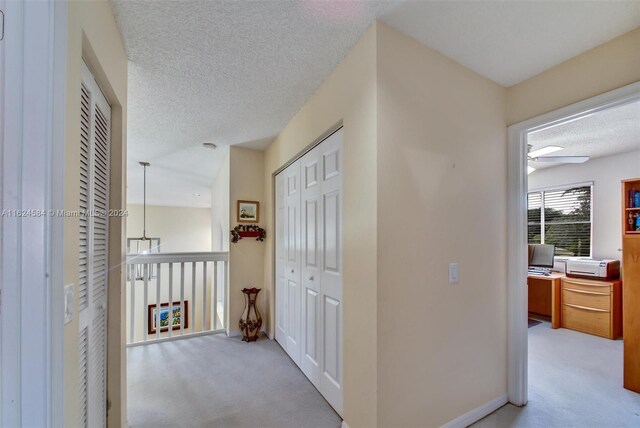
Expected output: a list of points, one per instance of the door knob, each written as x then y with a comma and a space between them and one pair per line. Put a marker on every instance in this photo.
311, 278
291, 270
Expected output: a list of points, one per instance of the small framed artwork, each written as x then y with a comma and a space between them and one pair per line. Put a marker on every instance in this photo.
248, 211
164, 316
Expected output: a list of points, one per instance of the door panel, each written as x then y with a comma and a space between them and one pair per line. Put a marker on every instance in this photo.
331, 349
310, 327
331, 272
281, 300
330, 218
292, 262
311, 262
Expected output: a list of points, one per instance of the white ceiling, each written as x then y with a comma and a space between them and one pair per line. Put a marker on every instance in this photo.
605, 133
226, 72
510, 41
235, 72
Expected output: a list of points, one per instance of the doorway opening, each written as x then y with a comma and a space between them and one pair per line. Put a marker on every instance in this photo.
565, 315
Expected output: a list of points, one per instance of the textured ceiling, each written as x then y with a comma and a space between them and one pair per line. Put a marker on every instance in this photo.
226, 72
510, 41
608, 132
235, 72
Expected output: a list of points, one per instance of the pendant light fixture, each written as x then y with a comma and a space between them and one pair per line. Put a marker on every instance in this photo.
143, 244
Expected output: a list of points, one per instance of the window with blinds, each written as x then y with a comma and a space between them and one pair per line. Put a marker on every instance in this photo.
561, 217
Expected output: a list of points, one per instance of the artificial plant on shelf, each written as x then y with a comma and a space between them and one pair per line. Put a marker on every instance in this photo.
248, 231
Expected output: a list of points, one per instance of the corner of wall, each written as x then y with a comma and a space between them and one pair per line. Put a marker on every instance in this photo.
246, 257
437, 123
349, 96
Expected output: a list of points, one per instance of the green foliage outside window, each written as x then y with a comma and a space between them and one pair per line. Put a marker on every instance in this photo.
566, 220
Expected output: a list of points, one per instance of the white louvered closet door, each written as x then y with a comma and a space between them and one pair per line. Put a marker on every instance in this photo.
95, 124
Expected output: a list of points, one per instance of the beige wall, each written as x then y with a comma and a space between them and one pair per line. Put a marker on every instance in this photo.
220, 209
181, 229
436, 133
606, 174
602, 69
93, 34
348, 94
246, 257
441, 198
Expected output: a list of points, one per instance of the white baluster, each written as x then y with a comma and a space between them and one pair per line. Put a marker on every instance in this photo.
170, 328
145, 278
183, 313
158, 293
204, 296
132, 311
214, 305
193, 296
226, 290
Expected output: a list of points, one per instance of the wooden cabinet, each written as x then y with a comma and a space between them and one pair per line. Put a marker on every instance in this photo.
631, 285
593, 307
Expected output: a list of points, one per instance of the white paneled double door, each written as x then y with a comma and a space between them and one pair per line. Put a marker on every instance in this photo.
309, 265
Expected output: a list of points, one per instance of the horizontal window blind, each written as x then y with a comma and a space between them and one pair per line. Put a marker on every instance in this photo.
561, 217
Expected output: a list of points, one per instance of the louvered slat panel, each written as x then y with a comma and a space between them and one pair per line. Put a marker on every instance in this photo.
85, 126
100, 204
94, 198
97, 372
83, 347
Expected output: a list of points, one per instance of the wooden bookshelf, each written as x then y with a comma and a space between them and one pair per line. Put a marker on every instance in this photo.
631, 286
630, 210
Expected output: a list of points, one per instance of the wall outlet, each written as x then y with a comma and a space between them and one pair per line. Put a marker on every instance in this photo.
68, 303
453, 273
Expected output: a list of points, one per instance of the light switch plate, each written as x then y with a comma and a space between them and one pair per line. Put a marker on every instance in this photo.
68, 303
453, 273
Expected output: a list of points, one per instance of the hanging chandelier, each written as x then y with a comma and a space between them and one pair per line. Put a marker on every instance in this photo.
143, 244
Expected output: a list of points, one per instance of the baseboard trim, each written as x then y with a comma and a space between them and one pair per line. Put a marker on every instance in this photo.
478, 413
344, 425
236, 333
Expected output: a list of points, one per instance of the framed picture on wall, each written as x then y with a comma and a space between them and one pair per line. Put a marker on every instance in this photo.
248, 211
164, 316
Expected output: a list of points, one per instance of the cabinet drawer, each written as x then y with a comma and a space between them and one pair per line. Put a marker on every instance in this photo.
591, 299
587, 285
587, 320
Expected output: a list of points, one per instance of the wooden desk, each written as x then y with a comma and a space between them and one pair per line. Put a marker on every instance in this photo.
544, 296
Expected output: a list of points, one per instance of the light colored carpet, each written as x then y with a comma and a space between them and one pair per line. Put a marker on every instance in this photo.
575, 380
216, 381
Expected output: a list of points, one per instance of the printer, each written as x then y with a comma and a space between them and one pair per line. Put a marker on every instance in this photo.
593, 269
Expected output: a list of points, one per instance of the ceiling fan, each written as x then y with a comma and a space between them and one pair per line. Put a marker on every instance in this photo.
540, 156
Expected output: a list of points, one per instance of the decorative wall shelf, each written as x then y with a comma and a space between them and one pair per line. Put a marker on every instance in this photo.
248, 231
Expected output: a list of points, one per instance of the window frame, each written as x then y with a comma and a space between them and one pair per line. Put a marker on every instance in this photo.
556, 188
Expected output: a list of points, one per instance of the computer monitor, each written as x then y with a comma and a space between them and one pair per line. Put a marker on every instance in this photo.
541, 255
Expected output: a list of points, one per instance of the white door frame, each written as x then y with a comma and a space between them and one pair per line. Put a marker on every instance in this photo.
517, 225
32, 158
